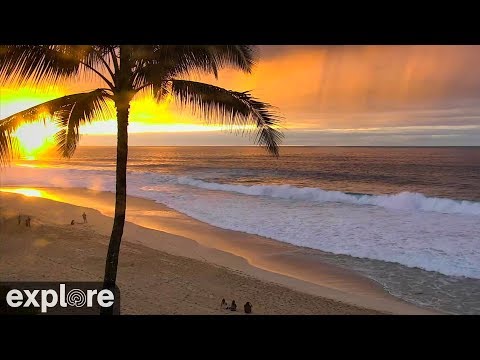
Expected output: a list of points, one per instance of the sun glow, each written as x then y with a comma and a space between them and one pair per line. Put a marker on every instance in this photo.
30, 192
35, 138
146, 116
24, 191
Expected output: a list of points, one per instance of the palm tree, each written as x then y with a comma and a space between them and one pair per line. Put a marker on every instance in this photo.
126, 70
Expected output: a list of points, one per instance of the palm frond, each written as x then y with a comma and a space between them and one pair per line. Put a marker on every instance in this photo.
49, 63
22, 63
85, 108
142, 53
95, 57
231, 108
241, 57
67, 112
162, 62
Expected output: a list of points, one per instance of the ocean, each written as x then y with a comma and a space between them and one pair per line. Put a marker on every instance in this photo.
408, 218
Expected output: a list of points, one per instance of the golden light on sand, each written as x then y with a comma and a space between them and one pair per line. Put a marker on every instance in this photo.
24, 191
35, 138
30, 192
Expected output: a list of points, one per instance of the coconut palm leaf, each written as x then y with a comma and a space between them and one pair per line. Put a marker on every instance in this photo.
85, 108
165, 62
50, 63
229, 107
21, 64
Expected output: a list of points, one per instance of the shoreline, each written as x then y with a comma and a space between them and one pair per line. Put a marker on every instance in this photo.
265, 259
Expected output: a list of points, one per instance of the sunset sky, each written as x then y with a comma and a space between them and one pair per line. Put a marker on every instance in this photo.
329, 95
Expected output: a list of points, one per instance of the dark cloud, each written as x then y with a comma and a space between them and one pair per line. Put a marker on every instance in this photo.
272, 51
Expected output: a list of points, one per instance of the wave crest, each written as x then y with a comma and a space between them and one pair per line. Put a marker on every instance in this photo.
402, 201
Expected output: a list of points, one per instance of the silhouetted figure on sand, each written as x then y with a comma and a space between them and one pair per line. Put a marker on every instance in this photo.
19, 219
247, 307
232, 307
28, 222
84, 216
223, 305
72, 222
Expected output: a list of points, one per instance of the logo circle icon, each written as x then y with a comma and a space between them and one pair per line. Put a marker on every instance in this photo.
76, 297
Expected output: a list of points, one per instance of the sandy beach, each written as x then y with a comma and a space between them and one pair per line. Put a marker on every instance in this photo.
173, 264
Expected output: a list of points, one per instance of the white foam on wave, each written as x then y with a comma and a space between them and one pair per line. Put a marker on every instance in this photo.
401, 201
445, 243
438, 238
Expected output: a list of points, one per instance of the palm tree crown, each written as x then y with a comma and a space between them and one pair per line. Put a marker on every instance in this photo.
159, 68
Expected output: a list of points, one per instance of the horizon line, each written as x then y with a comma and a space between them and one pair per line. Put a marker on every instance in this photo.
256, 146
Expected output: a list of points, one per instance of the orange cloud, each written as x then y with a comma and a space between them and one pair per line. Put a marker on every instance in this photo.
337, 86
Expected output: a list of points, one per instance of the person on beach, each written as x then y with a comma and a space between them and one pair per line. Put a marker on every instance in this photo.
232, 307
72, 222
247, 307
27, 221
84, 216
223, 305
19, 219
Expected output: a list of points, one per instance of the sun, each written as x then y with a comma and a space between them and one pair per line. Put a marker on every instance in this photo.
36, 138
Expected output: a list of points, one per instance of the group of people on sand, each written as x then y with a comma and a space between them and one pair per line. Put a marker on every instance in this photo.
28, 221
84, 216
233, 306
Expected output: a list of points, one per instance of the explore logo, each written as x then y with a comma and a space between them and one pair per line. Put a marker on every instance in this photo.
57, 298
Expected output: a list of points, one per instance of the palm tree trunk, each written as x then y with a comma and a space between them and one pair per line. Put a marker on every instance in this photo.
111, 264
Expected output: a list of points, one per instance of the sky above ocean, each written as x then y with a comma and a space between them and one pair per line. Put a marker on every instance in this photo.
328, 95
